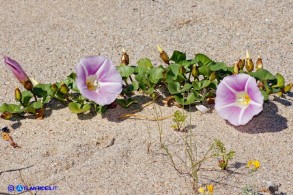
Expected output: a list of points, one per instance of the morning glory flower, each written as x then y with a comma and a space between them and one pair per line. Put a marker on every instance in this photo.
98, 80
238, 99
16, 70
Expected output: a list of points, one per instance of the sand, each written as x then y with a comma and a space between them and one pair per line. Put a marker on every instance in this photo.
68, 151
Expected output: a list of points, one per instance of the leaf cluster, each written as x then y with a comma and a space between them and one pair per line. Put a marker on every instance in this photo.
187, 81
191, 81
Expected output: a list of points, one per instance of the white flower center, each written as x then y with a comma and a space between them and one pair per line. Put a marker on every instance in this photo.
242, 98
92, 83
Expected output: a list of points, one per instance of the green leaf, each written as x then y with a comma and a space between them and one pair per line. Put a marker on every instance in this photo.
125, 71
202, 59
204, 70
78, 108
135, 85
26, 97
37, 105
178, 56
142, 78
11, 108
156, 74
33, 107
101, 109
125, 103
173, 87
175, 69
187, 64
190, 99
264, 94
179, 99
47, 99
72, 76
198, 85
150, 90
205, 83
218, 66
42, 90
262, 74
280, 81
71, 82
185, 87
145, 63
198, 96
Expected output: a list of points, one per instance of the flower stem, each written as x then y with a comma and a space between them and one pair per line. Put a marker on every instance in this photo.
267, 87
125, 80
21, 103
35, 97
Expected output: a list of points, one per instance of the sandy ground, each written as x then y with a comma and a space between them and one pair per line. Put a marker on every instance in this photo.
69, 151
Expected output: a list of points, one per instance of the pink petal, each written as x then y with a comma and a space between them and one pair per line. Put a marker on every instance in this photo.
113, 76
226, 105
253, 91
248, 114
104, 69
92, 64
80, 77
236, 82
109, 79
224, 96
231, 113
16, 69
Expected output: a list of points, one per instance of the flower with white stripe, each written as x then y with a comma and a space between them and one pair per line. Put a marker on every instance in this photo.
238, 99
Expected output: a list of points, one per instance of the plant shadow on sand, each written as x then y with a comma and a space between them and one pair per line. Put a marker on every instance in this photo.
49, 108
267, 121
115, 114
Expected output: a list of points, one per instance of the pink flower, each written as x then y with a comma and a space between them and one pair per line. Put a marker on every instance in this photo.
238, 99
98, 80
16, 70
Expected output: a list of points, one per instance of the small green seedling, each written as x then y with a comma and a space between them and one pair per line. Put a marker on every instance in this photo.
179, 119
222, 154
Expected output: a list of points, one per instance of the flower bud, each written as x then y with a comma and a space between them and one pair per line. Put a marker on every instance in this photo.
16, 70
182, 70
54, 88
17, 94
40, 113
288, 88
163, 55
210, 100
235, 69
28, 85
240, 64
124, 57
212, 76
258, 63
164, 74
194, 71
64, 89
6, 115
280, 93
248, 63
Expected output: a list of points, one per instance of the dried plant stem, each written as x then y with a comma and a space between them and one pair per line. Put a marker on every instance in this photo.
22, 180
145, 117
